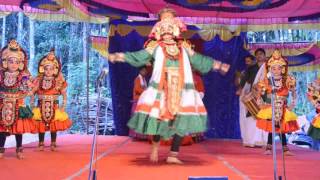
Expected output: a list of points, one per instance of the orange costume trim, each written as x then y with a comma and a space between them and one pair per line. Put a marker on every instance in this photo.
189, 139
198, 83
138, 87
286, 120
53, 124
20, 125
15, 118
48, 116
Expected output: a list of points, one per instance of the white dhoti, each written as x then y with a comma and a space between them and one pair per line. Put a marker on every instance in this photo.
250, 134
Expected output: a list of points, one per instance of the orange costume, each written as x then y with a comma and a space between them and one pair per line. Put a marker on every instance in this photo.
285, 119
314, 97
140, 84
48, 116
170, 106
190, 139
198, 83
15, 85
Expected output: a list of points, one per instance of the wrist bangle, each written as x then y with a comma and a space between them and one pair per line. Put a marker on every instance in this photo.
217, 65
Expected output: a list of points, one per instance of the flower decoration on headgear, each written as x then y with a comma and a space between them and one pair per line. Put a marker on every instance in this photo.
277, 60
13, 50
50, 60
168, 25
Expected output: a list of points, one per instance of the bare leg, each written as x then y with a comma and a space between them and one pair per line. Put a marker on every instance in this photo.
155, 148
286, 150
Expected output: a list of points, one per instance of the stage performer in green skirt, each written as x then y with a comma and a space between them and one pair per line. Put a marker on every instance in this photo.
170, 106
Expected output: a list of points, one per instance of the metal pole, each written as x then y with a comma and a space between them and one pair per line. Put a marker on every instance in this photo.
92, 173
275, 173
86, 40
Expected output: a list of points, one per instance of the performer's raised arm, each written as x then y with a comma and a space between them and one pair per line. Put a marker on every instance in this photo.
170, 95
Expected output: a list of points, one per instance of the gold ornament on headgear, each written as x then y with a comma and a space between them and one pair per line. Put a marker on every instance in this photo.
168, 24
277, 60
13, 50
49, 60
167, 13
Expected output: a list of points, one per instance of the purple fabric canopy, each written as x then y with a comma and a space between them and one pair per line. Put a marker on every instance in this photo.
222, 8
234, 9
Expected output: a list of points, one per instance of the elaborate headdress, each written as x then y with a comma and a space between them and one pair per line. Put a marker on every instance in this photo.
50, 59
277, 60
166, 11
13, 50
167, 25
314, 93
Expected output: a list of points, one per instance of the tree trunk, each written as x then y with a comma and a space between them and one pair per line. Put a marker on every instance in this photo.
73, 28
85, 39
3, 40
32, 47
56, 46
85, 60
70, 67
20, 27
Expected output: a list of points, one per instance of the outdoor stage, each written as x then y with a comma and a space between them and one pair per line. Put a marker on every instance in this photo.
121, 158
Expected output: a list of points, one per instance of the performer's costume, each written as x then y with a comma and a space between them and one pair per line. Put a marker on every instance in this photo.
140, 84
285, 120
314, 97
15, 85
47, 115
251, 135
196, 137
170, 106
171, 94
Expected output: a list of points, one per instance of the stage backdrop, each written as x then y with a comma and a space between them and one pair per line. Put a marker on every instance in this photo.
220, 99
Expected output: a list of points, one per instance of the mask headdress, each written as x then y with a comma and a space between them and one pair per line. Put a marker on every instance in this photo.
13, 51
50, 60
168, 24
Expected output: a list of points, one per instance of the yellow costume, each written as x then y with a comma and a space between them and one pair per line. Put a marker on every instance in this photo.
48, 116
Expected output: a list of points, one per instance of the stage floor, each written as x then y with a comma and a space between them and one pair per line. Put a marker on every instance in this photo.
119, 158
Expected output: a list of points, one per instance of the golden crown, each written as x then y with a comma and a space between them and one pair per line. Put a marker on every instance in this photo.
277, 59
13, 50
13, 45
50, 59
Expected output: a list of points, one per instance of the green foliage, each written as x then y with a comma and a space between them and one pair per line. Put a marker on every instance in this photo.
67, 40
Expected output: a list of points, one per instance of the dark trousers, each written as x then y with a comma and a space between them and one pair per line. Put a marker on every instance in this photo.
3, 137
282, 137
53, 137
176, 141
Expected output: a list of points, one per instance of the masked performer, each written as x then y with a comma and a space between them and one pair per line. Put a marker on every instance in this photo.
170, 106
